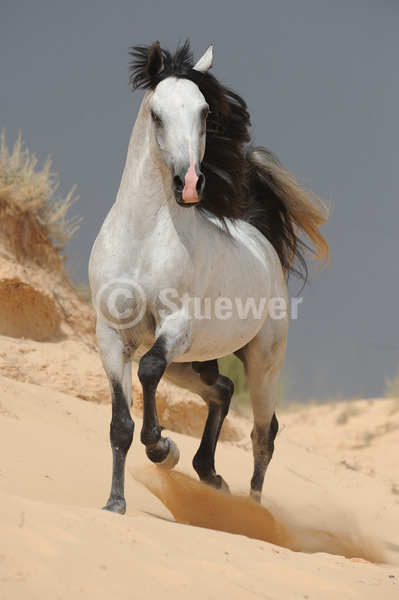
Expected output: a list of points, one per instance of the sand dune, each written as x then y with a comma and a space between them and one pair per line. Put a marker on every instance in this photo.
329, 525
55, 475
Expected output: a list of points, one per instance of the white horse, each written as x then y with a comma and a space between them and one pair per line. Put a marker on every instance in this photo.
191, 262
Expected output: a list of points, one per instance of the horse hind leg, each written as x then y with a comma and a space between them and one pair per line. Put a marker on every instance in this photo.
262, 436
262, 374
217, 391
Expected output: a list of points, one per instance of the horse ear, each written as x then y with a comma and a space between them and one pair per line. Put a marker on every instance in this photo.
154, 61
206, 61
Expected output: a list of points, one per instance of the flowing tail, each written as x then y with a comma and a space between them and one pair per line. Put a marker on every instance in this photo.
287, 215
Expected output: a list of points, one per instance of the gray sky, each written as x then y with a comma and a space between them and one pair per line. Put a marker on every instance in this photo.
321, 81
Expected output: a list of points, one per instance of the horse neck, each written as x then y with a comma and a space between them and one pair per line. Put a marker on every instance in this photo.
145, 198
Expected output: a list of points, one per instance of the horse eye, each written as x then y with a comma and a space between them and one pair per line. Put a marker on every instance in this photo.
155, 117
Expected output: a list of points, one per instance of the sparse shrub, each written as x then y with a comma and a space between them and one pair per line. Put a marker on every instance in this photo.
346, 413
26, 189
392, 387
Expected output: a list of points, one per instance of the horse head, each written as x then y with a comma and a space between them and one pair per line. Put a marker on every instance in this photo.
178, 113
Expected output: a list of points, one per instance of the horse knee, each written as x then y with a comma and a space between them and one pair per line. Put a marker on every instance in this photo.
151, 368
122, 425
121, 432
225, 389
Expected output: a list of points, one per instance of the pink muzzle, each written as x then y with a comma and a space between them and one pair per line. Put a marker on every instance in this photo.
190, 193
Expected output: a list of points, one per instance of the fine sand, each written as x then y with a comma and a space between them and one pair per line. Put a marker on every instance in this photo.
328, 527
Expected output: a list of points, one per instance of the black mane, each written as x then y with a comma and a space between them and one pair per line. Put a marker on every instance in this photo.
242, 182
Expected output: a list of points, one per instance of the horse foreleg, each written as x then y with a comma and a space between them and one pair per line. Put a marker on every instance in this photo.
118, 370
121, 435
218, 397
160, 450
218, 402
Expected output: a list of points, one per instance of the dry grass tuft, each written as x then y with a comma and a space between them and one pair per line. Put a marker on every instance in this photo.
26, 189
347, 412
392, 387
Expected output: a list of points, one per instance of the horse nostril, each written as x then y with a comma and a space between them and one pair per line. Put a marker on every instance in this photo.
177, 184
200, 184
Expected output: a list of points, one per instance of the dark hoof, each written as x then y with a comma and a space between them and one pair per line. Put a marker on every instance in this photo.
217, 482
172, 458
223, 486
116, 506
256, 496
166, 455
